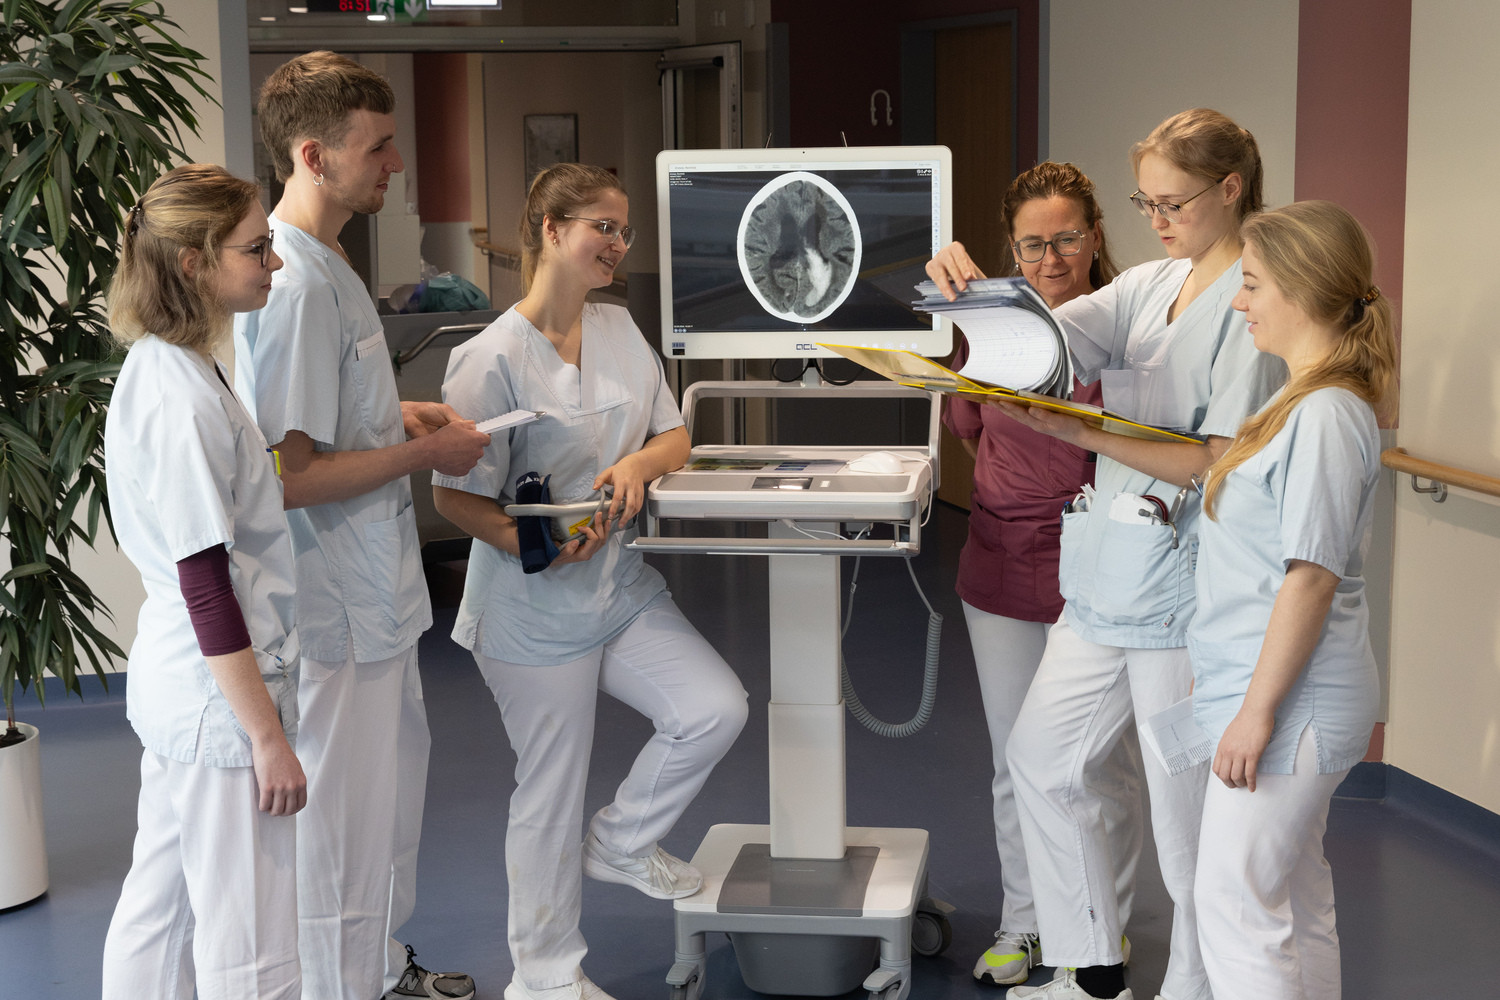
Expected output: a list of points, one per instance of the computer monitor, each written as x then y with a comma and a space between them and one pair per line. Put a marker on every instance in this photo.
767, 252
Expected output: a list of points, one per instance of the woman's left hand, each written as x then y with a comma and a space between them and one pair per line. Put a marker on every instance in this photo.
1239, 751
1041, 420
628, 477
589, 541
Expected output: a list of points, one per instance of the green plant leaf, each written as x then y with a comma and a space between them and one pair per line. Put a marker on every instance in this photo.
95, 98
30, 569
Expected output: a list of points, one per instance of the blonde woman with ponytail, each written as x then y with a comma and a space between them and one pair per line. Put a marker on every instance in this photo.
1284, 677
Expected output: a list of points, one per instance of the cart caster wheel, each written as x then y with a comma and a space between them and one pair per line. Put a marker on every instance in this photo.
884, 984
931, 933
686, 981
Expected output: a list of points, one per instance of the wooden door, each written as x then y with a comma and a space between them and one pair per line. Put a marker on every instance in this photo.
974, 90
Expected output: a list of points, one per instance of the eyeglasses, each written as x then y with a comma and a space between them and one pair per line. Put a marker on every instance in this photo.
609, 229
1172, 213
1066, 244
262, 249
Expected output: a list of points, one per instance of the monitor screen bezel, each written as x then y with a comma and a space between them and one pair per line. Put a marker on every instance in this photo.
935, 342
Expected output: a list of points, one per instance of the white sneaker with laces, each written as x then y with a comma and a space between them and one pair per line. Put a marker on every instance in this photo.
1010, 959
658, 874
1064, 987
583, 989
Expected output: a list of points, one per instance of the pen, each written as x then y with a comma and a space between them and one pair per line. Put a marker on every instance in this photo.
275, 459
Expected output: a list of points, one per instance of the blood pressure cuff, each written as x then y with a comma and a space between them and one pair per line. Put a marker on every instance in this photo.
534, 534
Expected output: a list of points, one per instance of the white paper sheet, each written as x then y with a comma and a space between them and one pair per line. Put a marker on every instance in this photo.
1176, 740
515, 418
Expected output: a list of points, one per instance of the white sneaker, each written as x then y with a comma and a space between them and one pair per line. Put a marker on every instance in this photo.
1064, 987
658, 874
1010, 959
583, 989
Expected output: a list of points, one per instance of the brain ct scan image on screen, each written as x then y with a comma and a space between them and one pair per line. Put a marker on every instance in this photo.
766, 253
799, 247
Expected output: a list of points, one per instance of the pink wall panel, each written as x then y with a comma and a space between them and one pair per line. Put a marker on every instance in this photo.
441, 82
1353, 62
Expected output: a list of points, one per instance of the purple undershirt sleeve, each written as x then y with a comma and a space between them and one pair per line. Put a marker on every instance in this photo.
211, 603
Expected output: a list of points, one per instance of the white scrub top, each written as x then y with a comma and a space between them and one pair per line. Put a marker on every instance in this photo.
188, 469
594, 414
314, 360
1124, 583
1308, 494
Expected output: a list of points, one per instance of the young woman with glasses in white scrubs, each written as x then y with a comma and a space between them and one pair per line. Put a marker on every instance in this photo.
596, 617
1168, 350
211, 897
1007, 571
1285, 679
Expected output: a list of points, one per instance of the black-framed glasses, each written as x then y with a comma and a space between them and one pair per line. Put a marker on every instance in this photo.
1031, 249
1172, 213
609, 229
261, 249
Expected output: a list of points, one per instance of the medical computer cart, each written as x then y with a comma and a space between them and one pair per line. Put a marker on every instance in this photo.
806, 899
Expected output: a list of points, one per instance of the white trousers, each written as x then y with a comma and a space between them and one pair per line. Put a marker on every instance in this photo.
1006, 654
661, 667
1264, 889
364, 743
211, 897
1081, 702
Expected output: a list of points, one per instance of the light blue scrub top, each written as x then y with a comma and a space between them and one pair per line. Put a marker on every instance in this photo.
187, 470
595, 414
1124, 583
1308, 494
315, 360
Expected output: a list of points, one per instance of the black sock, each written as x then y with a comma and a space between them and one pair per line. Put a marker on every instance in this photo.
1103, 981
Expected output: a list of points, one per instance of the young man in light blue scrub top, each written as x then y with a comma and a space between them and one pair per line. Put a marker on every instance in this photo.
314, 367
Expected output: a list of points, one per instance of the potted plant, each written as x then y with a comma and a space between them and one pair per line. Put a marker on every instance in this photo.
93, 94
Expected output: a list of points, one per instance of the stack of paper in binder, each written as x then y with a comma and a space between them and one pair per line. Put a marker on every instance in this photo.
1017, 354
1013, 340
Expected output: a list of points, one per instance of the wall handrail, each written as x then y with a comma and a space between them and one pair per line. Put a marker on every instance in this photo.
507, 257
1442, 476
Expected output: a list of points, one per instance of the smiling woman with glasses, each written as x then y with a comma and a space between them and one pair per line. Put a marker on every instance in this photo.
554, 619
1167, 348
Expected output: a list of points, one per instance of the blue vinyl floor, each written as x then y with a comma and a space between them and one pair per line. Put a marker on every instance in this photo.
1419, 908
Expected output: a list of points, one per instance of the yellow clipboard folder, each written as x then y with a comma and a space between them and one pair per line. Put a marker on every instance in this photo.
911, 369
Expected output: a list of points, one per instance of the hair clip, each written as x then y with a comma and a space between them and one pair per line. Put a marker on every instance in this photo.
1369, 297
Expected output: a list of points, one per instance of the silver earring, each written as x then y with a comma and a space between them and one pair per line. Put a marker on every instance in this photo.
317, 180
1096, 254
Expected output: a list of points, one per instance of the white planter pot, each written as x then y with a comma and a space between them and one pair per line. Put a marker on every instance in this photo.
23, 847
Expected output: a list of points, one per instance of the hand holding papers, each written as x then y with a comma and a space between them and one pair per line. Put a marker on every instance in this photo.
1017, 353
1013, 340
515, 418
